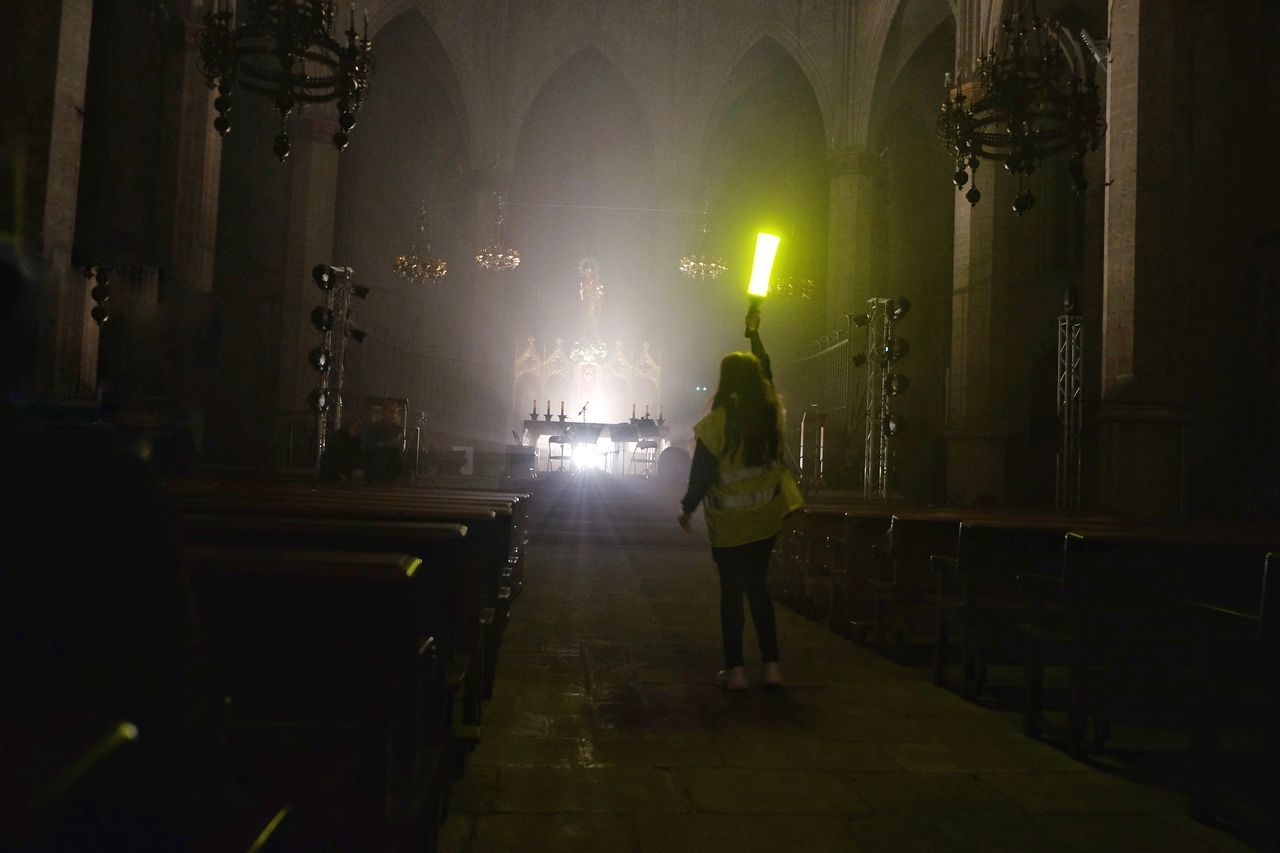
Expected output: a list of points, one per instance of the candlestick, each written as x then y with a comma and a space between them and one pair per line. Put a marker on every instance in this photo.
646, 411
562, 408
633, 411
548, 410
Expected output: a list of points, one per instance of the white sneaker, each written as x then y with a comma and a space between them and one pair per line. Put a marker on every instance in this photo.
773, 674
733, 679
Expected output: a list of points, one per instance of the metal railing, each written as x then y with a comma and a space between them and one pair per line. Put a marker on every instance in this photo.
819, 386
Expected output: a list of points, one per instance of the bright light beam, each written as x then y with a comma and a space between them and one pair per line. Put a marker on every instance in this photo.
762, 266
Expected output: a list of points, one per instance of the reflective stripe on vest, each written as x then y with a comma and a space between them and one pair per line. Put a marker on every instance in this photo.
742, 474
748, 500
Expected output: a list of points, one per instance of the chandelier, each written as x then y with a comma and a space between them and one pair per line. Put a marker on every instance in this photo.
286, 50
793, 287
498, 255
791, 283
702, 265
1026, 102
426, 267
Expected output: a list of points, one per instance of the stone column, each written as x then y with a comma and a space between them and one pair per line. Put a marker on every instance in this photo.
1143, 421
978, 376
848, 284
186, 225
313, 191
46, 45
187, 220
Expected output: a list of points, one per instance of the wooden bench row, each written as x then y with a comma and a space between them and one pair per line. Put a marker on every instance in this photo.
356, 634
1133, 612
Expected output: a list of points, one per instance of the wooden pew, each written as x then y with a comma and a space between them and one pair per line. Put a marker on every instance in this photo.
904, 585
847, 559
809, 556
1116, 610
330, 671
1237, 661
493, 552
978, 590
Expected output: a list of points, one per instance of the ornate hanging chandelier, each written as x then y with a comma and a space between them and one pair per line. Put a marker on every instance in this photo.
702, 265
286, 50
1025, 101
498, 255
794, 287
426, 267
791, 282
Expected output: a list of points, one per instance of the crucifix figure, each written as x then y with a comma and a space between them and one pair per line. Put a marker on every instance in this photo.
591, 295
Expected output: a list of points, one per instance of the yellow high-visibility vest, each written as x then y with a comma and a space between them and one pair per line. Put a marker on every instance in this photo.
747, 502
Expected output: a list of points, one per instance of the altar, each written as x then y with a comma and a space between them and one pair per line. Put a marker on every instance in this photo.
598, 384
631, 447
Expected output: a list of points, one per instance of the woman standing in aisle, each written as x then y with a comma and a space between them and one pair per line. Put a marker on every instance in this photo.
739, 476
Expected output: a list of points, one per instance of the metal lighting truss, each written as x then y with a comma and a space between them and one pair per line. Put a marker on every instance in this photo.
877, 457
1070, 382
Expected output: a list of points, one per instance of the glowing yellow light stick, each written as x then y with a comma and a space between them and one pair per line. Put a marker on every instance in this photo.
762, 266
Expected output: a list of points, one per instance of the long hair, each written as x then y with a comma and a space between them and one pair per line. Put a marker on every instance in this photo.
751, 409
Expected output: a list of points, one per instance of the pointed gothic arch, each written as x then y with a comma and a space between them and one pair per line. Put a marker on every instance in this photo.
533, 84
775, 42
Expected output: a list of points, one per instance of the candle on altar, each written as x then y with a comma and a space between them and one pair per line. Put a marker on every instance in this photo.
633, 411
548, 410
562, 408
646, 410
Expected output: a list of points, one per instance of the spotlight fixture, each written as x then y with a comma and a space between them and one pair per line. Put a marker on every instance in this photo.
320, 358
100, 293
861, 320
327, 277
357, 335
285, 50
897, 307
896, 349
321, 399
893, 425
322, 318
1026, 100
860, 359
895, 384
359, 291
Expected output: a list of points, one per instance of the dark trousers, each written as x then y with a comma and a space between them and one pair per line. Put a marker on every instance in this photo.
742, 572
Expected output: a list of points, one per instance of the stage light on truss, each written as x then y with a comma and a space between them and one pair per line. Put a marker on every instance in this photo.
895, 384
320, 358
893, 425
326, 277
359, 291
322, 399
862, 320
860, 359
896, 349
322, 318
762, 266
897, 308
357, 335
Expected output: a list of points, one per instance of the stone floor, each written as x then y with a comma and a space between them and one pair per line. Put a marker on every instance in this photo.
606, 733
